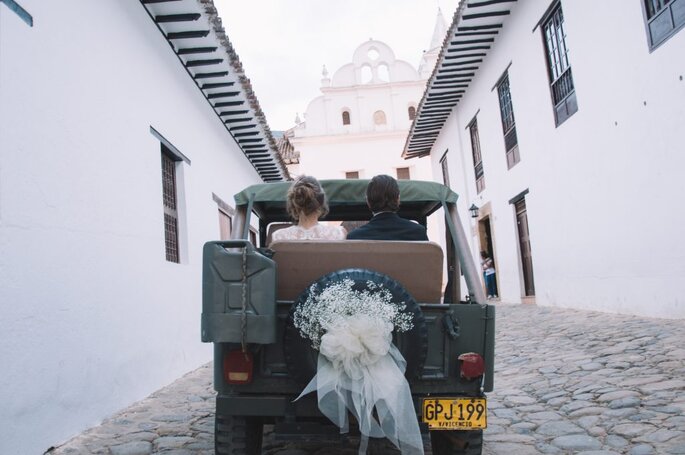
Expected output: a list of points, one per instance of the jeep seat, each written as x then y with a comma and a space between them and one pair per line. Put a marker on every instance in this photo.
418, 266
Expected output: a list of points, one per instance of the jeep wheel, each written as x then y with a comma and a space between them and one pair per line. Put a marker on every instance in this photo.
457, 442
302, 359
238, 435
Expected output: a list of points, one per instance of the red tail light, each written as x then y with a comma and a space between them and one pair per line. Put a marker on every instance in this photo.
238, 367
472, 365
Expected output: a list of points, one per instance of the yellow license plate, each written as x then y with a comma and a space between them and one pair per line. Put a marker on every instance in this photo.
455, 413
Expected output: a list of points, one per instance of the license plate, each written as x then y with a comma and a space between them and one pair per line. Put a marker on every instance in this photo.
455, 413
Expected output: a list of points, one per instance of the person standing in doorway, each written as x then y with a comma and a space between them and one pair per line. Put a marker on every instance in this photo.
489, 273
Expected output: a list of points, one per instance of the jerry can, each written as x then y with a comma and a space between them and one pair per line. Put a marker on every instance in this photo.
238, 294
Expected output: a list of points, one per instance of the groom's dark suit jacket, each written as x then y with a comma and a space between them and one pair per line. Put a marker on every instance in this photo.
389, 226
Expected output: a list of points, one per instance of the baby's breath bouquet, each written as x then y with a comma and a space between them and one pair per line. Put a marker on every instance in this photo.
358, 368
335, 303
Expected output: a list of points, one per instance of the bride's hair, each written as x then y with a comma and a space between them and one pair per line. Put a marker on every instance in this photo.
305, 197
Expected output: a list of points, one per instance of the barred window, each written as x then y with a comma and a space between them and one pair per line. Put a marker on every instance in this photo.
558, 66
346, 117
506, 109
664, 18
477, 157
170, 206
412, 112
352, 175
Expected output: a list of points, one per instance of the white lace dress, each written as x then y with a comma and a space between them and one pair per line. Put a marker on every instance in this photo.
316, 232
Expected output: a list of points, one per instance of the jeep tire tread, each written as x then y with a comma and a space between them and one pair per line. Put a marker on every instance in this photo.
238, 435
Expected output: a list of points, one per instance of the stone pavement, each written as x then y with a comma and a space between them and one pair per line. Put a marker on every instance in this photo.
567, 382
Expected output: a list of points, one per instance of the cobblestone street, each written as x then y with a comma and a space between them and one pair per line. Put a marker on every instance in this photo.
566, 382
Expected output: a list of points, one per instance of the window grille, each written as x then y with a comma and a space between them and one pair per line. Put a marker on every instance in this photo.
346, 118
412, 112
170, 207
559, 68
477, 157
508, 122
352, 175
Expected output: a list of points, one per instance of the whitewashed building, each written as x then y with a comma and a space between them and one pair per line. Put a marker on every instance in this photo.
563, 126
125, 129
357, 127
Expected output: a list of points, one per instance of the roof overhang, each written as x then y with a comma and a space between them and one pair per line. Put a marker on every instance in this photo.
194, 32
474, 28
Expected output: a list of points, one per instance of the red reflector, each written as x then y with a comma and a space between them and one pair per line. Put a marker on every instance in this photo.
238, 367
472, 365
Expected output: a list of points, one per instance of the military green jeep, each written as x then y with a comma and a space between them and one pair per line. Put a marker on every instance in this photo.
262, 363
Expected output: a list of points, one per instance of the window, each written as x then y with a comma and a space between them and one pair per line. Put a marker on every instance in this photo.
346, 117
664, 18
445, 170
477, 157
170, 206
508, 122
412, 112
379, 118
558, 66
173, 199
226, 214
225, 225
403, 173
352, 175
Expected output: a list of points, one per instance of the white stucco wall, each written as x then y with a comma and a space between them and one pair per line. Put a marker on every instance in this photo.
93, 315
604, 187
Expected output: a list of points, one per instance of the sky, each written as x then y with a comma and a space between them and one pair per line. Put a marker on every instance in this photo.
283, 44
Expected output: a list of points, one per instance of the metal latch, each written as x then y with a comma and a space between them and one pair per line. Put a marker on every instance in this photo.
451, 323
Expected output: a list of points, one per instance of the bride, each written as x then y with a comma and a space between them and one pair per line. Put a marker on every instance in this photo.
306, 203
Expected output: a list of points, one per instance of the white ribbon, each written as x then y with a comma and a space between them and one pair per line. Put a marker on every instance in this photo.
359, 369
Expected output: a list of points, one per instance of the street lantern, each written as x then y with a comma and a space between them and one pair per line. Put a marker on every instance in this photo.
474, 211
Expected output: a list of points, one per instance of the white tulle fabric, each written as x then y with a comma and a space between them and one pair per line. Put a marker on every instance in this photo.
359, 369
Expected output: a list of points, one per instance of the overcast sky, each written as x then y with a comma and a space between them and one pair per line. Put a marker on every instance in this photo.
283, 44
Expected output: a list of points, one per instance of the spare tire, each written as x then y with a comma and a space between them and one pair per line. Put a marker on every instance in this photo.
301, 357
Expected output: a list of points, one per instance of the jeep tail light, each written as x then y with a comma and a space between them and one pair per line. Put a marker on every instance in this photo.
238, 367
471, 365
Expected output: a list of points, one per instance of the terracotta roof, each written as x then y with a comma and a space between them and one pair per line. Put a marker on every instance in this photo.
194, 31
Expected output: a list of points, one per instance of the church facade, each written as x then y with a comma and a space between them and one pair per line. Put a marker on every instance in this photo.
357, 126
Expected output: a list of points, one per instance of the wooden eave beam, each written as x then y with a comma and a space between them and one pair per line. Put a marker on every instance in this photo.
196, 50
177, 18
187, 35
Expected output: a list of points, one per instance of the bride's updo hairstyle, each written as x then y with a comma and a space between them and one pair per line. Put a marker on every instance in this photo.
305, 197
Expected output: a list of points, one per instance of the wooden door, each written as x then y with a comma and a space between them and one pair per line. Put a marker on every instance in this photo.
524, 247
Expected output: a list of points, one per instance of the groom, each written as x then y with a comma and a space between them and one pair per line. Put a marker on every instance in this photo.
383, 198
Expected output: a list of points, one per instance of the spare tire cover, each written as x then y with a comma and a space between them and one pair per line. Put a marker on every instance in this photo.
301, 357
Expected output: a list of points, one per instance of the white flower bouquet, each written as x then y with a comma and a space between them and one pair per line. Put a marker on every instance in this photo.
359, 369
339, 304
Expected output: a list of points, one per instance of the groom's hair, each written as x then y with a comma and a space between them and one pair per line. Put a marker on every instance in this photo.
383, 194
